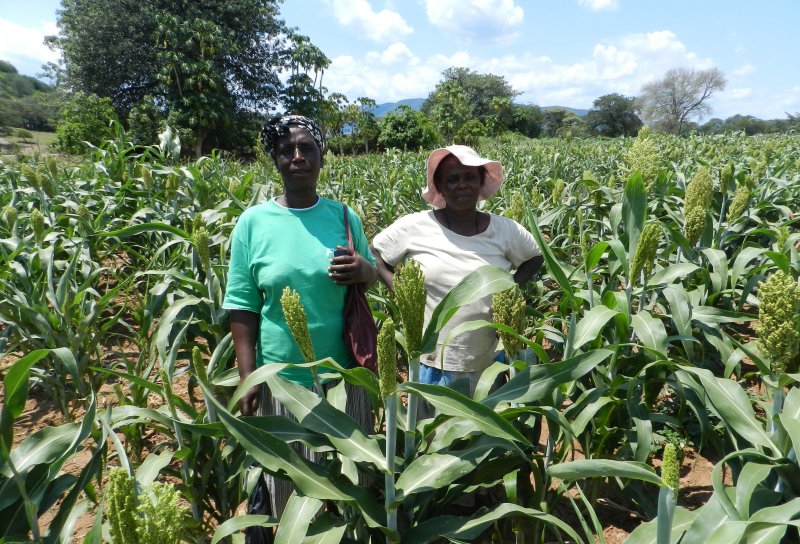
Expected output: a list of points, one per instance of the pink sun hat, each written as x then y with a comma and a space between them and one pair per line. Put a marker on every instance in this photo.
468, 157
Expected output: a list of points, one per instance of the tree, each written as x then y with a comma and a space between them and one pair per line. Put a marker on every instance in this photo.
553, 120
366, 126
302, 94
613, 115
85, 118
681, 94
213, 66
449, 109
405, 128
526, 119
479, 89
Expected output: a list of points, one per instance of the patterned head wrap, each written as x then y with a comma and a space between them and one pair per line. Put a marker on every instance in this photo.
277, 127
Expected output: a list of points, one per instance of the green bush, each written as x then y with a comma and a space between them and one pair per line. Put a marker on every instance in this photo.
85, 118
405, 128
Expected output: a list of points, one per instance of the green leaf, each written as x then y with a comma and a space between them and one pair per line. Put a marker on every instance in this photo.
554, 267
672, 273
326, 529
733, 406
714, 316
681, 312
310, 479
452, 403
318, 415
151, 466
595, 254
296, 519
650, 331
750, 477
591, 324
479, 283
42, 447
470, 528
539, 381
604, 468
634, 210
95, 536
740, 263
240, 523
16, 389
646, 533
719, 265
790, 417
147, 227
439, 469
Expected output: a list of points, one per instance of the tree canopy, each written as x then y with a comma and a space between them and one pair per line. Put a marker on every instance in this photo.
209, 65
613, 115
479, 91
668, 103
405, 128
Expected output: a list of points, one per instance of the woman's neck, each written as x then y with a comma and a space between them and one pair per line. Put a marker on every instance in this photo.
464, 222
297, 200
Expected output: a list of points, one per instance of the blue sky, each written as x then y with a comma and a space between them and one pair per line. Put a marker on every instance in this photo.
566, 52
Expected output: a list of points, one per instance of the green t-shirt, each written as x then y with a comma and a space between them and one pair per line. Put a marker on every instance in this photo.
273, 247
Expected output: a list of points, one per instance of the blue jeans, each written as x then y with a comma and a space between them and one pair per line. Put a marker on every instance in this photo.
463, 382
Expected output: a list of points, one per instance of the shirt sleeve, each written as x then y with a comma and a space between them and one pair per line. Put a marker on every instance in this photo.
520, 245
360, 242
391, 242
242, 292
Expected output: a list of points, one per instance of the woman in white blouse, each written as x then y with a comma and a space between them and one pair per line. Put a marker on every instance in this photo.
451, 241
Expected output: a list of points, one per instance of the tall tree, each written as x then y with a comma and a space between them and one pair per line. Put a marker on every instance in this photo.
526, 119
479, 89
304, 94
450, 109
613, 115
212, 64
679, 96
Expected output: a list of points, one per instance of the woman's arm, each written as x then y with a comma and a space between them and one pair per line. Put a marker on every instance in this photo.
244, 330
527, 269
385, 272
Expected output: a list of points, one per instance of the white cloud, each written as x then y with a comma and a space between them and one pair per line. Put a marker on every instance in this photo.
24, 47
381, 26
740, 93
622, 65
599, 5
484, 21
743, 70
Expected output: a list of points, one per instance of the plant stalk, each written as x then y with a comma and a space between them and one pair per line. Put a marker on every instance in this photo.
391, 445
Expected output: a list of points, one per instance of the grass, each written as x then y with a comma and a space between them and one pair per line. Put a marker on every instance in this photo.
40, 142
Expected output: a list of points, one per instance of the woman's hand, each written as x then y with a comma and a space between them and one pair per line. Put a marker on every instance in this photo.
249, 403
351, 269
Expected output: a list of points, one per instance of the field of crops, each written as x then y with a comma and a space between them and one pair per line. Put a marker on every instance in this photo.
662, 256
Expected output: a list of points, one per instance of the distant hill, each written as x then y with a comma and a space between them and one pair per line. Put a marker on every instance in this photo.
382, 109
25, 102
580, 112
416, 104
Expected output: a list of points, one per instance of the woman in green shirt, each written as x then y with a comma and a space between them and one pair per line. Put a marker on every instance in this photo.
290, 240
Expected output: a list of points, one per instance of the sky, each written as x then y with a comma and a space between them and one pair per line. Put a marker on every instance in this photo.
565, 52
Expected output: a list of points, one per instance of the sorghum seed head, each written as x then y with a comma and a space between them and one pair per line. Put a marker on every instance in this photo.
387, 358
410, 296
295, 316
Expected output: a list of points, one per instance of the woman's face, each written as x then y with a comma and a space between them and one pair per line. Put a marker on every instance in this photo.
460, 185
298, 159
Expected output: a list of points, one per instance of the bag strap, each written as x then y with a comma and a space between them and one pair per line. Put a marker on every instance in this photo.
347, 228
